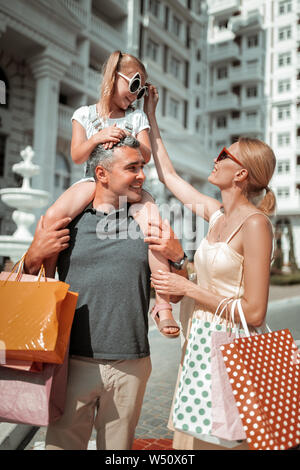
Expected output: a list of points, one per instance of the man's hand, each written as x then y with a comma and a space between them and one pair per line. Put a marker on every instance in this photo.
46, 243
161, 238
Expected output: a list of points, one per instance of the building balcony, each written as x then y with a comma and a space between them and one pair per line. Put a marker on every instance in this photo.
65, 114
76, 73
227, 102
78, 10
223, 51
223, 6
102, 31
251, 21
245, 126
94, 80
245, 74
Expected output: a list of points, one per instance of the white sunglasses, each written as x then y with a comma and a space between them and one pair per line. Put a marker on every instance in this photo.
134, 85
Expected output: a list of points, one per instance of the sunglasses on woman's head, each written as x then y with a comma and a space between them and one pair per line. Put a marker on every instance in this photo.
134, 84
226, 154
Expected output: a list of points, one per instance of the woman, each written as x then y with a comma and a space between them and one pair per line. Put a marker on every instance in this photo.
233, 261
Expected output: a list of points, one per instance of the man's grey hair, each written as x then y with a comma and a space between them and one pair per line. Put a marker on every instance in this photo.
105, 158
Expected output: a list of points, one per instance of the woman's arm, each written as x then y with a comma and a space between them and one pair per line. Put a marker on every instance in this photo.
257, 248
145, 145
200, 204
257, 237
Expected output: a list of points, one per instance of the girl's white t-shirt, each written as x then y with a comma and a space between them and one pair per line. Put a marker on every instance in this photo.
137, 120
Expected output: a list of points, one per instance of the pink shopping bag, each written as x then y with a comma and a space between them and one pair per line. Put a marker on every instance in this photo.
226, 421
36, 398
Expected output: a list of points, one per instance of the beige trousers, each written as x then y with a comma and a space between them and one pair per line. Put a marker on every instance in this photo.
107, 395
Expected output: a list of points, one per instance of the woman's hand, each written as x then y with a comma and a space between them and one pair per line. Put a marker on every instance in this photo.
109, 136
170, 283
151, 100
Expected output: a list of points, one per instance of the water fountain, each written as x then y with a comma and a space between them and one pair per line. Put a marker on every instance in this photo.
25, 200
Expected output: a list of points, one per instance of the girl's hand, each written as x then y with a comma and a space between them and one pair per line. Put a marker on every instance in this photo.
170, 283
109, 136
150, 101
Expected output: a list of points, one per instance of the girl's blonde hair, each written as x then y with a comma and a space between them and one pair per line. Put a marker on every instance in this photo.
260, 161
117, 62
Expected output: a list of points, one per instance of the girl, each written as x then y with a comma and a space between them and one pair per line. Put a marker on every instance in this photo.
106, 123
233, 260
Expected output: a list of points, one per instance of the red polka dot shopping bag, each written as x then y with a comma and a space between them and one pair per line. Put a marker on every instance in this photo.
264, 373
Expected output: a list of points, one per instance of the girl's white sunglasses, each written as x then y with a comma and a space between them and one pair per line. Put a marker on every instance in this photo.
134, 84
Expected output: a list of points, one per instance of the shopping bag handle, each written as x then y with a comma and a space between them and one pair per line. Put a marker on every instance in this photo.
237, 302
18, 267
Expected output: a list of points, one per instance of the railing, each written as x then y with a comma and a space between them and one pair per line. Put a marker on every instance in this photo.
78, 10
102, 30
64, 120
76, 73
223, 51
94, 80
222, 103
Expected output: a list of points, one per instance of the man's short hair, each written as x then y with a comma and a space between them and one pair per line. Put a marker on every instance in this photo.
105, 157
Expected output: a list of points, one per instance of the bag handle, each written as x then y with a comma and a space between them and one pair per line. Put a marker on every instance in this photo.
238, 303
19, 266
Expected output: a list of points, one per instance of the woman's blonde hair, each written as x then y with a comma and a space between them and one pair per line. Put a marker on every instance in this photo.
117, 62
260, 161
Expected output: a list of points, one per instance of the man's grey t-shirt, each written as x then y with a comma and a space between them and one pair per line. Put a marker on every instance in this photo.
107, 264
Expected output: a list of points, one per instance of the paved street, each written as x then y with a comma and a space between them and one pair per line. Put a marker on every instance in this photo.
165, 356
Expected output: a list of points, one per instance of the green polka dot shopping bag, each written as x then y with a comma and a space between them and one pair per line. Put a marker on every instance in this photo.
192, 411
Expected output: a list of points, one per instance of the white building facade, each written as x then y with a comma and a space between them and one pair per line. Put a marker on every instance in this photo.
253, 85
51, 55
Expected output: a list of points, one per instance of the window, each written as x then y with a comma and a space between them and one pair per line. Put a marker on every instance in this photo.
222, 72
283, 139
174, 108
283, 112
284, 85
2, 153
298, 160
284, 7
198, 78
175, 67
283, 192
152, 50
154, 6
197, 102
221, 122
198, 123
251, 91
4, 90
284, 59
252, 41
198, 55
284, 33
283, 166
222, 24
176, 26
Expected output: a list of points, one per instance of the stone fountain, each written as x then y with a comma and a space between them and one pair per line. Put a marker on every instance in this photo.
25, 200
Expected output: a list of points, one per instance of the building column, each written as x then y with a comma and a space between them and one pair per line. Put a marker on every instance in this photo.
47, 69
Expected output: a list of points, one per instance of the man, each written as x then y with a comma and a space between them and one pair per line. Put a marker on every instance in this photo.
109, 349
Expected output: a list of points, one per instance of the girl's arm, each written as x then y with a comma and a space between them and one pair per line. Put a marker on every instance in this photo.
257, 256
199, 203
81, 147
145, 145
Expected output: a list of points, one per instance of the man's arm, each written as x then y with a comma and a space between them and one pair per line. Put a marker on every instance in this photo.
162, 238
46, 243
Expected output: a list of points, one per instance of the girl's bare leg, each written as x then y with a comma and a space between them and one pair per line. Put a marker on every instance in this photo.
70, 204
143, 212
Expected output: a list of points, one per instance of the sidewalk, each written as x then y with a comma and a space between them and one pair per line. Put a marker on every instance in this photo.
152, 432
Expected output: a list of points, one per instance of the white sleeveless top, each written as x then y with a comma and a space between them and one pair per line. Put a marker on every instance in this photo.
220, 268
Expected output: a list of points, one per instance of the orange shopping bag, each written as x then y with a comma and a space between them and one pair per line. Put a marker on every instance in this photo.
36, 315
